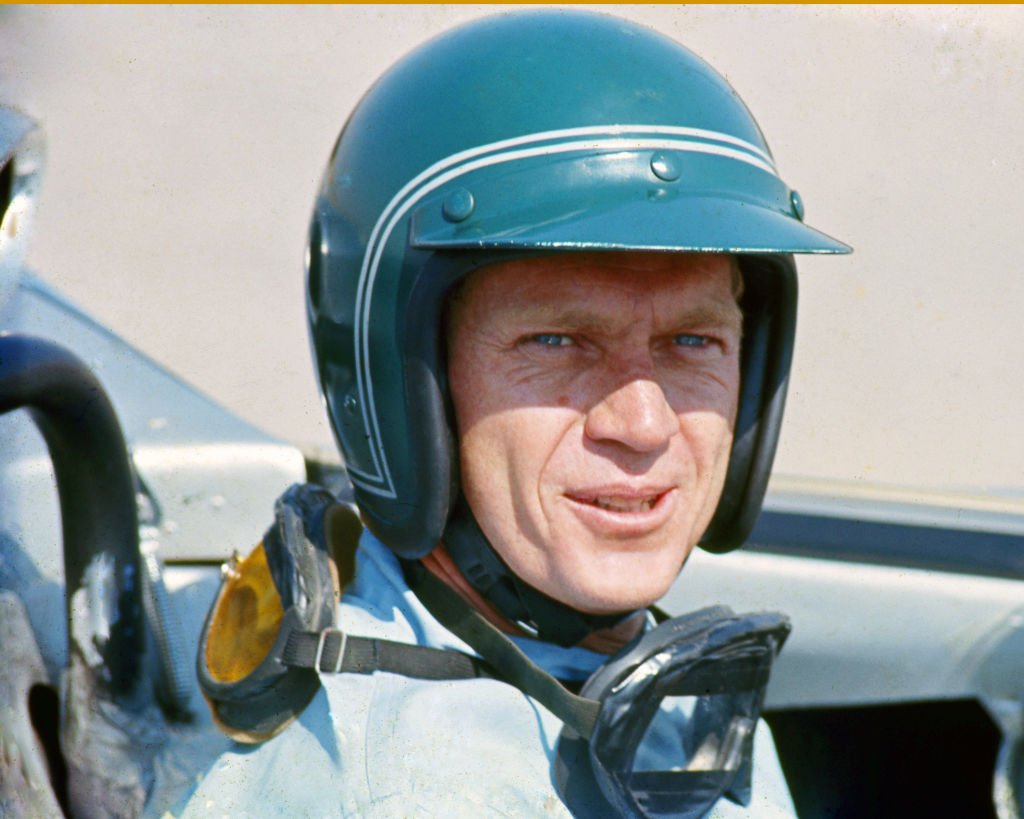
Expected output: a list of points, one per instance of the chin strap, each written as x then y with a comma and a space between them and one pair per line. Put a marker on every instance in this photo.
536, 613
502, 657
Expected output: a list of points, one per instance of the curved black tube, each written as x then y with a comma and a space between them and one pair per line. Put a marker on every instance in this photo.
97, 500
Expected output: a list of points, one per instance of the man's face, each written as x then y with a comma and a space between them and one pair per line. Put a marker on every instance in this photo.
595, 395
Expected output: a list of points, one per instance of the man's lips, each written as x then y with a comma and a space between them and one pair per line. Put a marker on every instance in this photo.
624, 511
619, 503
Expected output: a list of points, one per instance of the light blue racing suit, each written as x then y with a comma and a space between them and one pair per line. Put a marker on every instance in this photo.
385, 745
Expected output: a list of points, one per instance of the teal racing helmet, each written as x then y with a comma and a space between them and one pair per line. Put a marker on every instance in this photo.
532, 134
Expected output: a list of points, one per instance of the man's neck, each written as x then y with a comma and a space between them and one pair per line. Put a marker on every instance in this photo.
604, 641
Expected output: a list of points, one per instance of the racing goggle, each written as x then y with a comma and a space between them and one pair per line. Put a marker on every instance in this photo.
286, 585
271, 627
675, 729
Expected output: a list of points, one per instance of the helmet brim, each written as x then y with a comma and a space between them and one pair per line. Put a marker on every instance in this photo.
615, 201
693, 224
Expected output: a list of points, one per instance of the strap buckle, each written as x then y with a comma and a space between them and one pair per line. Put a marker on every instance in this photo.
322, 642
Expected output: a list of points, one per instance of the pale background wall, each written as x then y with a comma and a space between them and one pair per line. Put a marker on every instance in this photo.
186, 144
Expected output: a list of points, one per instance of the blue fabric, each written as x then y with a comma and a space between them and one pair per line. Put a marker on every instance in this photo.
386, 745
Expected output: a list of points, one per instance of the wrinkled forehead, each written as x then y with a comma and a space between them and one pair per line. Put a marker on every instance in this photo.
559, 281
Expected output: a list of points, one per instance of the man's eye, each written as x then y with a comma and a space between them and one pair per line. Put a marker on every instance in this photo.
552, 340
690, 340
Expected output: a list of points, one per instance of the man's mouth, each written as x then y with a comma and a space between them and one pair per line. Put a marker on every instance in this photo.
624, 512
620, 504
620, 500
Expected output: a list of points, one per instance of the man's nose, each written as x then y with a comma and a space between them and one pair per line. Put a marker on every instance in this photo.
635, 414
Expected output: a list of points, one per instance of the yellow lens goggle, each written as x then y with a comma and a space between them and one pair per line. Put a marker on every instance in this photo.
289, 583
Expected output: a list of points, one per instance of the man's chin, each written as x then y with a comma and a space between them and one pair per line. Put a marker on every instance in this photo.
601, 575
612, 595
609, 580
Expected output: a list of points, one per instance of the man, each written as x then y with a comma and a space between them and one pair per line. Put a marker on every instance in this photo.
551, 296
594, 396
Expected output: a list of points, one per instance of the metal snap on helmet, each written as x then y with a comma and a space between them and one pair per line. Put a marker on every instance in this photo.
526, 134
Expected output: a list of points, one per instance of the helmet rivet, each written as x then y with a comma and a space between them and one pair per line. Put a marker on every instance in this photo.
350, 404
797, 203
458, 206
666, 167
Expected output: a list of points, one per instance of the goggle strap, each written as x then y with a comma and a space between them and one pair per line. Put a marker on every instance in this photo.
508, 661
333, 651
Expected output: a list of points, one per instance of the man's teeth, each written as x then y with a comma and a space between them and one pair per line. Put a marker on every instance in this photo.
624, 504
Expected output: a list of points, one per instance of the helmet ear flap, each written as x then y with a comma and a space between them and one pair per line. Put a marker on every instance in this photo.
430, 435
769, 325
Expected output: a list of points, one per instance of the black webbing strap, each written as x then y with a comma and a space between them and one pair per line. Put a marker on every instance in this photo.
331, 650
543, 616
505, 657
